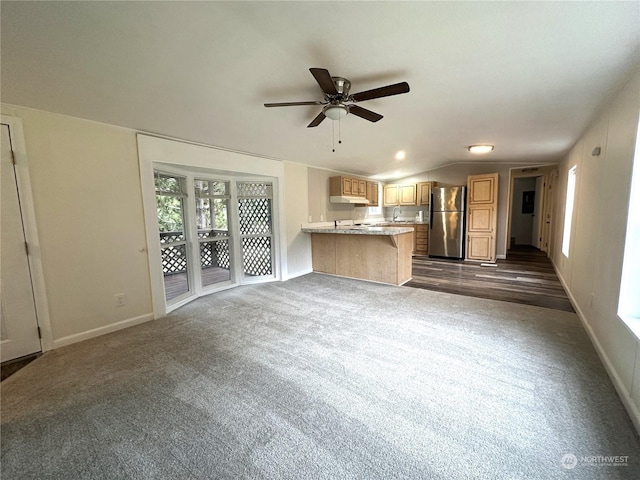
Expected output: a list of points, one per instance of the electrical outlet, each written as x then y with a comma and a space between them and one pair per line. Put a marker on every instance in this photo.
321, 217
120, 299
310, 219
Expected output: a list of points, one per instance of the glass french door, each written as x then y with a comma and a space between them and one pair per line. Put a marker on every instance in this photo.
214, 238
170, 203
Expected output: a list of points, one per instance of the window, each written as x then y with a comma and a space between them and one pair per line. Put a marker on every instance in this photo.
629, 301
568, 210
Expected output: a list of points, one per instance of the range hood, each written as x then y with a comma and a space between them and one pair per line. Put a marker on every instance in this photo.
347, 199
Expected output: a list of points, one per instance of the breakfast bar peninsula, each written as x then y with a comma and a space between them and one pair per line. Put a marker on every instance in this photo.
378, 254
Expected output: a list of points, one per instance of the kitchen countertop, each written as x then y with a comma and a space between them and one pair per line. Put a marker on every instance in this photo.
359, 230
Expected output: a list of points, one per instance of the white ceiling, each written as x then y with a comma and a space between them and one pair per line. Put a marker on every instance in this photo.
525, 76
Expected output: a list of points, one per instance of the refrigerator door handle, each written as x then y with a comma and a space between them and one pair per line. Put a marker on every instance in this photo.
431, 212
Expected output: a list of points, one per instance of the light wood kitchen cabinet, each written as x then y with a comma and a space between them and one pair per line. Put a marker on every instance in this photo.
421, 232
403, 195
347, 186
390, 196
482, 219
424, 193
372, 194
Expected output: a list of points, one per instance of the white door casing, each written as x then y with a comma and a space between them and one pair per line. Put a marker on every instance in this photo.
18, 318
536, 225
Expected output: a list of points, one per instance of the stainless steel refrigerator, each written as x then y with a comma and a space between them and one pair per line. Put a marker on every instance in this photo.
447, 222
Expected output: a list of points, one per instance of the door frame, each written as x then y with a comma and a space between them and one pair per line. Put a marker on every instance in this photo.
27, 208
545, 171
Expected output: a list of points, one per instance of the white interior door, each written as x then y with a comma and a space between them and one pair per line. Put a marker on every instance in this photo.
18, 321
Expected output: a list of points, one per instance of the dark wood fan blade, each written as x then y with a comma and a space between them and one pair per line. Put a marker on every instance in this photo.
323, 77
318, 120
364, 113
395, 89
292, 104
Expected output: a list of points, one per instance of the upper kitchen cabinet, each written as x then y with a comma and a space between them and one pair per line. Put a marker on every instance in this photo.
424, 193
347, 186
372, 194
482, 217
404, 195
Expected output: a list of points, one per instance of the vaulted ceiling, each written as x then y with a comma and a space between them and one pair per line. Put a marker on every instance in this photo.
525, 76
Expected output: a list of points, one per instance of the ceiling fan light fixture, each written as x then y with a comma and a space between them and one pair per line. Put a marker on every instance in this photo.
480, 149
335, 112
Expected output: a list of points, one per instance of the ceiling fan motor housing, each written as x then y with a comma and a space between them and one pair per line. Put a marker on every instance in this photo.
342, 86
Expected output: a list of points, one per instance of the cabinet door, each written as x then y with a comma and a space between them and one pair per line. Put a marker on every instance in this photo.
372, 193
481, 219
424, 193
407, 195
482, 189
347, 186
480, 247
362, 188
390, 195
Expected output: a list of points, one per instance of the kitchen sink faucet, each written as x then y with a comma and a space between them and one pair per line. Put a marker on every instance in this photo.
396, 212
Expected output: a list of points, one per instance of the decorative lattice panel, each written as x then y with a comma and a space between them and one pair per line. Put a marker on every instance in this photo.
254, 189
255, 216
174, 259
222, 254
171, 237
256, 253
215, 254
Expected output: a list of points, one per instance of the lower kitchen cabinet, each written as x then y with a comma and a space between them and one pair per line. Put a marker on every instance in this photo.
421, 239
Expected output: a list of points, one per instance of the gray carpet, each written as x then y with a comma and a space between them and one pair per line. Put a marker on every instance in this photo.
322, 377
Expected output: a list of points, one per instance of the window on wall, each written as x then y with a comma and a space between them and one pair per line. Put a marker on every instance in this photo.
568, 210
629, 301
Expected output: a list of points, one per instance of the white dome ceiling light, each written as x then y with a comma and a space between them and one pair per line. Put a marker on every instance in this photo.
480, 149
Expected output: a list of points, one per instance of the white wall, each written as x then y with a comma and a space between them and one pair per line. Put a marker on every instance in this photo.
592, 271
86, 194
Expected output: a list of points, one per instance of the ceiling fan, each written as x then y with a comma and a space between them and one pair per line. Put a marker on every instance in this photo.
337, 100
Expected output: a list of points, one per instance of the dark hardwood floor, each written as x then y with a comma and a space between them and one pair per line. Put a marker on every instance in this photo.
526, 276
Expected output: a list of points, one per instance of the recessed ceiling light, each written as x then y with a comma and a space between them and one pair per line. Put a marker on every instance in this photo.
480, 148
401, 155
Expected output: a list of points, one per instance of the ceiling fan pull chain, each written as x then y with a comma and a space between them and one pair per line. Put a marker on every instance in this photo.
340, 130
333, 136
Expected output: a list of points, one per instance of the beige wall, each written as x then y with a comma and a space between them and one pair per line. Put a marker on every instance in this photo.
456, 174
320, 209
88, 204
86, 194
593, 269
296, 199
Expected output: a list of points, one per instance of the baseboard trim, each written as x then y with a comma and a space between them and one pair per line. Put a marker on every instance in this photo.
623, 393
96, 332
297, 274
